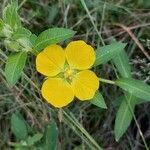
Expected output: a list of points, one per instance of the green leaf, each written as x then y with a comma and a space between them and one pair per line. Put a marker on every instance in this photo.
24, 37
50, 139
135, 87
80, 147
21, 32
124, 115
14, 66
53, 12
25, 43
98, 100
10, 15
119, 99
33, 38
106, 53
35, 138
1, 25
121, 61
52, 36
6, 31
18, 127
13, 46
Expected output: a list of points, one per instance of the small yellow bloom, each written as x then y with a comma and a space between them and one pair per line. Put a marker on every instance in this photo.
67, 72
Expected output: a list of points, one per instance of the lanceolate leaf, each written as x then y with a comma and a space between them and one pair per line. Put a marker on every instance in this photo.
21, 33
34, 139
50, 138
1, 25
106, 53
124, 115
33, 38
135, 87
121, 61
10, 15
98, 100
14, 66
18, 127
52, 36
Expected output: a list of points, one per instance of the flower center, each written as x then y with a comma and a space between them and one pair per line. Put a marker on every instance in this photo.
68, 74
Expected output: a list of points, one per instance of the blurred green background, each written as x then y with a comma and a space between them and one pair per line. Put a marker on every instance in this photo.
109, 17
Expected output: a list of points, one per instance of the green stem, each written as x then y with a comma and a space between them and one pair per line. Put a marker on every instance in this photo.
107, 81
91, 19
71, 118
136, 122
24, 1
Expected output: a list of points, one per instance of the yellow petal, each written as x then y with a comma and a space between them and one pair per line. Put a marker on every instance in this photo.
50, 61
57, 92
80, 55
85, 84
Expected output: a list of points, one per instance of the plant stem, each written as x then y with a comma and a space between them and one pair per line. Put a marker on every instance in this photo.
77, 126
21, 4
107, 81
136, 122
91, 19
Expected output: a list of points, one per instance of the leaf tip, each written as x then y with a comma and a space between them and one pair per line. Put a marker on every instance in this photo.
105, 107
117, 139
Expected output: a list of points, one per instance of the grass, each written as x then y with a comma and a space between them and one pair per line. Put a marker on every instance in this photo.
81, 125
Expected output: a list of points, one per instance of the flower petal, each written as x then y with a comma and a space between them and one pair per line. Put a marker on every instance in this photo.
85, 84
80, 55
50, 61
57, 92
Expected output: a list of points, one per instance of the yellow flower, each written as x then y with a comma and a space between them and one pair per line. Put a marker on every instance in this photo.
67, 72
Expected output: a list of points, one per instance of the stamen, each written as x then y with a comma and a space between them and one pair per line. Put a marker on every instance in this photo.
68, 74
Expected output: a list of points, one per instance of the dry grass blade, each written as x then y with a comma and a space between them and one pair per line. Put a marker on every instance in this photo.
134, 39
